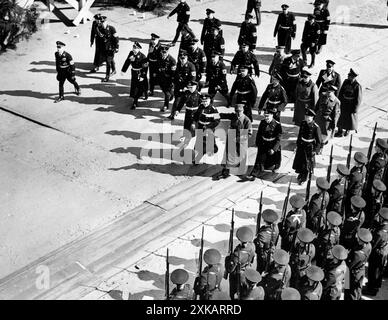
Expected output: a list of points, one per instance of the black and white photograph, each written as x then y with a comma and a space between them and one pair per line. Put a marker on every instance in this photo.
221, 150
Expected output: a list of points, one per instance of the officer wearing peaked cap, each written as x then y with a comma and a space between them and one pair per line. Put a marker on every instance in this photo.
244, 57
182, 10
214, 41
277, 60
248, 33
241, 259
379, 254
328, 112
268, 145
154, 54
290, 294
354, 219
295, 219
139, 81
197, 57
356, 261
216, 77
95, 38
166, 67
274, 96
265, 240
211, 276
110, 39
65, 70
301, 254
310, 37
328, 238
278, 276
183, 290
311, 286
350, 96
335, 272
328, 77
317, 206
285, 28
291, 70
336, 190
374, 202
209, 24
249, 289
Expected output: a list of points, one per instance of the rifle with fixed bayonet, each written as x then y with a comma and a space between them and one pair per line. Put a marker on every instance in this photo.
330, 165
258, 220
372, 143
229, 256
167, 278
350, 152
284, 210
198, 279
308, 188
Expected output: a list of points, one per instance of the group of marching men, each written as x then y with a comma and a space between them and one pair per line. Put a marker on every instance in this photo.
326, 242
333, 104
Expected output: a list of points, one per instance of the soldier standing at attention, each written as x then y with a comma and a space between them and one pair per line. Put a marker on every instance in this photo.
277, 61
154, 55
285, 28
328, 77
139, 81
335, 270
110, 47
310, 37
306, 95
374, 203
209, 24
328, 238
211, 276
310, 287
356, 177
290, 71
328, 111
378, 257
337, 189
274, 97
244, 57
316, 216
183, 16
241, 259
246, 92
309, 143
96, 39
254, 5
249, 289
350, 96
268, 145
295, 220
65, 70
216, 77
302, 254
183, 290
354, 219
322, 17
185, 72
166, 68
277, 278
248, 33
357, 259
265, 240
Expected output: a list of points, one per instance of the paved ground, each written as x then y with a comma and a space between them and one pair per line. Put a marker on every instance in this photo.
86, 177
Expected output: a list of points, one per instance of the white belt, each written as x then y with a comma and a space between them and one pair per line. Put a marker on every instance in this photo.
319, 20
243, 92
268, 139
136, 69
293, 75
284, 27
188, 108
204, 123
153, 60
308, 140
64, 66
274, 102
349, 98
304, 100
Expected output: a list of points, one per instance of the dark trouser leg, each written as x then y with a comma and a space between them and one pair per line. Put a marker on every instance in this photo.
248, 111
73, 82
167, 95
259, 163
109, 59
288, 43
258, 15
313, 53
178, 31
153, 78
61, 83
303, 49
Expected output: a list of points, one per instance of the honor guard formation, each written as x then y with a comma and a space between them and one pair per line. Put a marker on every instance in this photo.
314, 248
